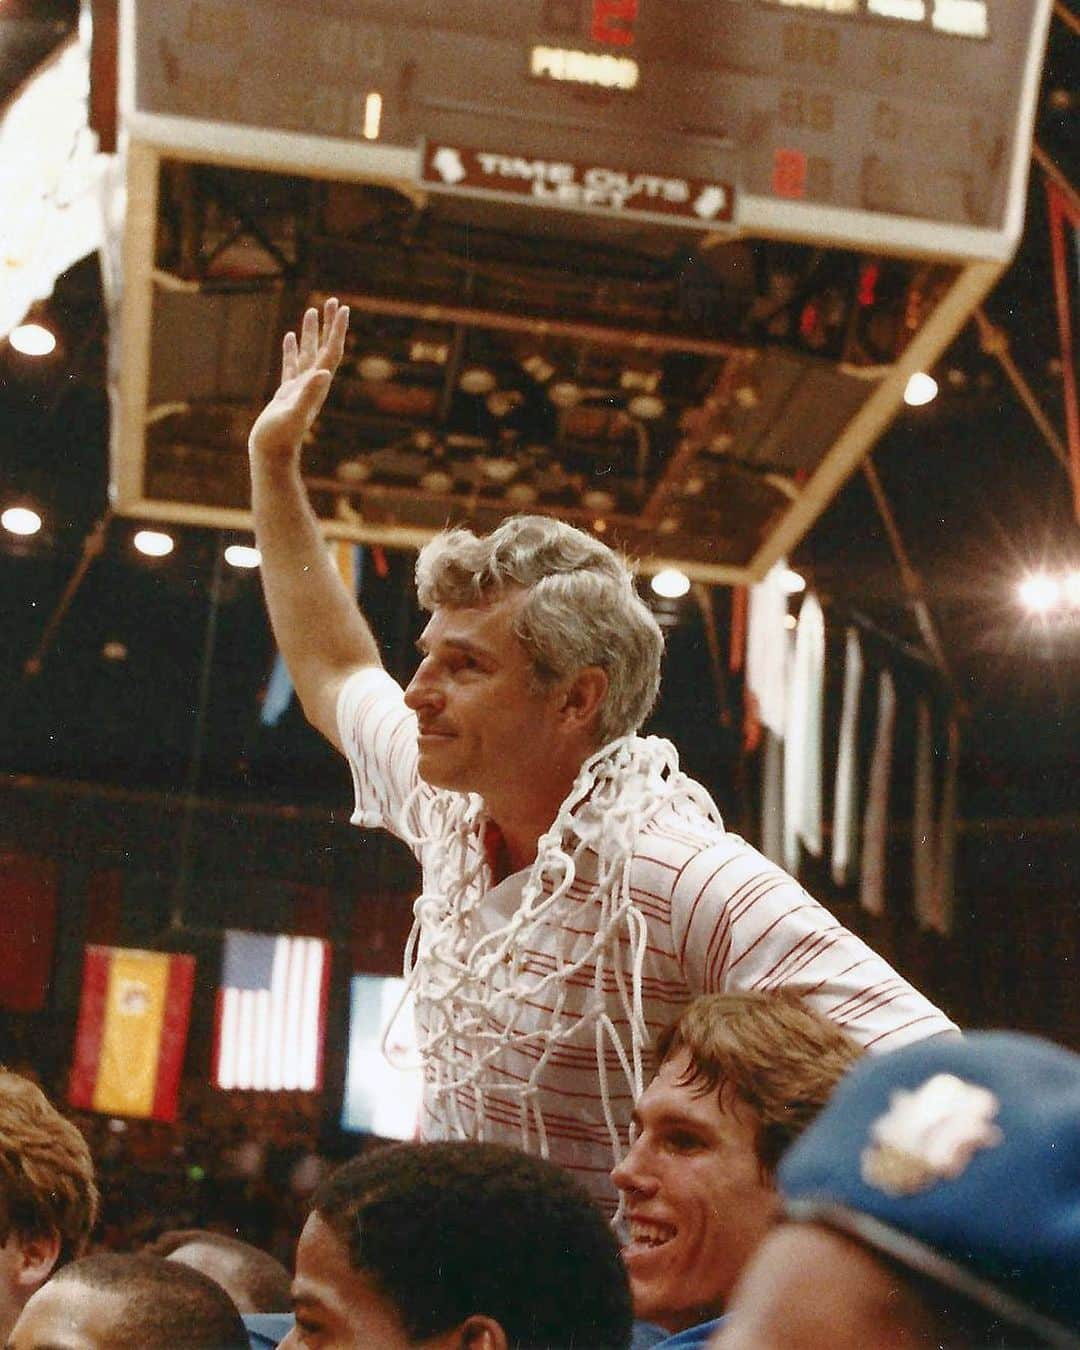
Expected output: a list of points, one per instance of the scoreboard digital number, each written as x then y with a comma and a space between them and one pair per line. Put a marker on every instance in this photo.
901, 125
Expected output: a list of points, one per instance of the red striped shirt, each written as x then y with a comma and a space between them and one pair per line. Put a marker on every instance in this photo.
717, 916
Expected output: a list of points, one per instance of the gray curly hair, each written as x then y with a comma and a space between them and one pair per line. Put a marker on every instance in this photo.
582, 608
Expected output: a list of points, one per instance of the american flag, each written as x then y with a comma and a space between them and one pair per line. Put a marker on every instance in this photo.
271, 1012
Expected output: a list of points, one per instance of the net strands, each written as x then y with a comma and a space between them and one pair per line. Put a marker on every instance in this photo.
473, 983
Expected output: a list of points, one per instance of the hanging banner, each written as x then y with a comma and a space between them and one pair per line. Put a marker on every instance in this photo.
271, 1012
132, 1032
383, 1080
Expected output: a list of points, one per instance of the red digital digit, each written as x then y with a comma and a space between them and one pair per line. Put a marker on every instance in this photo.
613, 22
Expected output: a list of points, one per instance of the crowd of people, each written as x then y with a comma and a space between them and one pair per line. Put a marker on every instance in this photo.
668, 1099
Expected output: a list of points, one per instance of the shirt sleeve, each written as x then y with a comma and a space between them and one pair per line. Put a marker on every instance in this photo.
378, 735
741, 923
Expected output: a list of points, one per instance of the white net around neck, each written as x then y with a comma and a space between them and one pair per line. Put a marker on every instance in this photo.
470, 981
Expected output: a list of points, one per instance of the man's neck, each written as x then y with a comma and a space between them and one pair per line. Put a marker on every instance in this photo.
512, 844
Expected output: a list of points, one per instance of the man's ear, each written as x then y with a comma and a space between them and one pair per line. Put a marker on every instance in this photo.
584, 695
37, 1255
481, 1333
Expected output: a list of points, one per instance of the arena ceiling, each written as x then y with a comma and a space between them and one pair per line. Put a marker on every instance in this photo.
698, 399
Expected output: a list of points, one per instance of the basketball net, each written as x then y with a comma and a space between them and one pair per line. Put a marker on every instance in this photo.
473, 984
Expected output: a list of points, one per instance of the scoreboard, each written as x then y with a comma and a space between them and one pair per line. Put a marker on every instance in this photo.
898, 125
788, 155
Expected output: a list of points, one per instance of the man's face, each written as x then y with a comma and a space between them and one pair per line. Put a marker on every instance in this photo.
696, 1200
337, 1307
808, 1288
483, 725
65, 1315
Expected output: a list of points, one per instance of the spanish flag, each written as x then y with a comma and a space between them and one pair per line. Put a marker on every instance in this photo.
132, 1032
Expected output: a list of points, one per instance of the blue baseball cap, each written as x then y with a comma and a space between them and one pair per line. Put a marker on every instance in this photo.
960, 1159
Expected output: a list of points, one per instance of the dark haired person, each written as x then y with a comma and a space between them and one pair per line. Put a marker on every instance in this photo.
117, 1301
457, 1245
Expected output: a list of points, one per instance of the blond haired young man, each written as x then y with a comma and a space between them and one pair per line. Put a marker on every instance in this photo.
740, 1078
48, 1198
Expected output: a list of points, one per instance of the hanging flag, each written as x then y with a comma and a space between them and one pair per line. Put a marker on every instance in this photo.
767, 645
383, 1079
845, 839
27, 930
802, 737
876, 815
348, 560
132, 1032
271, 1012
924, 842
945, 870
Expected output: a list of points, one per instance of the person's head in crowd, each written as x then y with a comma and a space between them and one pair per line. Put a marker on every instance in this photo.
741, 1075
255, 1281
48, 1199
118, 1301
457, 1244
934, 1203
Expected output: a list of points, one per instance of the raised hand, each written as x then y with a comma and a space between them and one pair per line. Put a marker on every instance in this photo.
307, 368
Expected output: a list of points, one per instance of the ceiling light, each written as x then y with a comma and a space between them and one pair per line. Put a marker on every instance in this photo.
32, 339
1039, 592
522, 494
242, 555
565, 393
20, 520
154, 543
792, 582
353, 470
114, 651
499, 468
437, 480
921, 388
477, 380
501, 402
670, 583
598, 499
538, 366
646, 406
375, 368
372, 115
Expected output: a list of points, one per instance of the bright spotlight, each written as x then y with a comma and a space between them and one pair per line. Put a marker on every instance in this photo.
154, 543
20, 520
670, 583
242, 555
921, 388
1039, 592
1072, 588
32, 339
794, 583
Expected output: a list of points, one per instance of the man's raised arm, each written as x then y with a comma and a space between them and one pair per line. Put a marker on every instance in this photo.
321, 633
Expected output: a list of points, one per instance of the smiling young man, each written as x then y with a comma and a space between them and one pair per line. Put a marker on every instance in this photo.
578, 888
741, 1075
